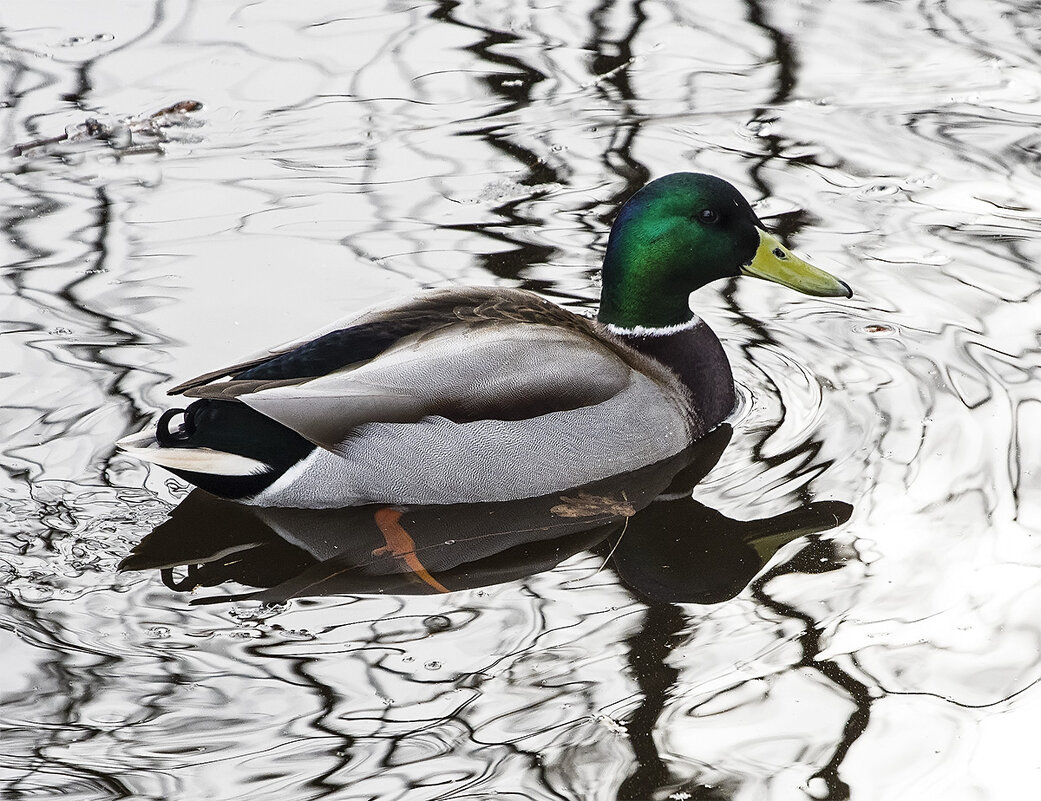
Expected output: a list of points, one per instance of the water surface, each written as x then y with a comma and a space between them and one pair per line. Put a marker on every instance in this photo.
343, 156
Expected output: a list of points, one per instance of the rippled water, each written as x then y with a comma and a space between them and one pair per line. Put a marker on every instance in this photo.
340, 157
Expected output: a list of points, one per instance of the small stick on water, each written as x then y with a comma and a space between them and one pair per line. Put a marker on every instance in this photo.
18, 150
613, 549
625, 527
184, 107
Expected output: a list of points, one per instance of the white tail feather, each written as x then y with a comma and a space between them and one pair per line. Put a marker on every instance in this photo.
197, 460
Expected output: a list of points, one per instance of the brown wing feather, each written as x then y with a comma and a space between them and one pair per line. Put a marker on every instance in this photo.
187, 387
230, 390
427, 313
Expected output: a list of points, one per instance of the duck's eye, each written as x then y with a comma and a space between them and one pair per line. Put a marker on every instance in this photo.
708, 216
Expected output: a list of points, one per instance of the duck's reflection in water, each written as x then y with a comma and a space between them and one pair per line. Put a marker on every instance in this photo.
662, 544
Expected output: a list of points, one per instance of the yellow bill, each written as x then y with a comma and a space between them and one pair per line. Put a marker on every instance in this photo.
774, 262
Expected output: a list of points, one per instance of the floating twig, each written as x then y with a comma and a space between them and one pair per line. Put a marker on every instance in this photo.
119, 134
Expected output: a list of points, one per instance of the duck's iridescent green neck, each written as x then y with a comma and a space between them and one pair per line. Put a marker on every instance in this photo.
639, 292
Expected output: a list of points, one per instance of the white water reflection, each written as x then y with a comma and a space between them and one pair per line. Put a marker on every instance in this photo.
344, 156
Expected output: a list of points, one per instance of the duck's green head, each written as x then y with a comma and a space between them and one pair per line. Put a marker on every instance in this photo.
681, 232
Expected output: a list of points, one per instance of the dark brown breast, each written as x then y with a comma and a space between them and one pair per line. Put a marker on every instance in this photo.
697, 357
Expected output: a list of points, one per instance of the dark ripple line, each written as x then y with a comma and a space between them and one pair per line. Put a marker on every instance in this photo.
939, 696
810, 642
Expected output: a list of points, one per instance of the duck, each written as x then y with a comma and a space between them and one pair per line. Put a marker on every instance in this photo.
489, 394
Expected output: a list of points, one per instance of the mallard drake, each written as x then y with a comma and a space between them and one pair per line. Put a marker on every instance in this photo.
489, 394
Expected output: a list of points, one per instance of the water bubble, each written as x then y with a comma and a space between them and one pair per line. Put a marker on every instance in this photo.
297, 634
437, 623
433, 664
880, 188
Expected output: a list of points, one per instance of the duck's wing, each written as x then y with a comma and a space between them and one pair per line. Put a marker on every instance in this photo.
371, 330
360, 337
464, 356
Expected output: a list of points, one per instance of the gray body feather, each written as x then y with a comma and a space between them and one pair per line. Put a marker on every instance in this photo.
438, 461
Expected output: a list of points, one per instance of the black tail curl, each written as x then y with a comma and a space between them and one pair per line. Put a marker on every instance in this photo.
232, 427
167, 438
